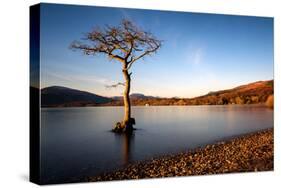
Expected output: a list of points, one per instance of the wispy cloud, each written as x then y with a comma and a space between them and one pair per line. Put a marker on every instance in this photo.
194, 55
52, 78
197, 57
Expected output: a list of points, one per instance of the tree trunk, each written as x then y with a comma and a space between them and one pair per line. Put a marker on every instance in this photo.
126, 96
127, 124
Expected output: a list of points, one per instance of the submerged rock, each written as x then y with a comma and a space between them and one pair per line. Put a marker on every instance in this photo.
124, 127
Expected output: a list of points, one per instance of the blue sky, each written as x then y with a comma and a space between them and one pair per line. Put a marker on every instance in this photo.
200, 52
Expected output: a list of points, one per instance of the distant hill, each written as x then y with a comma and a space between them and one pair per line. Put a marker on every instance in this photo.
251, 88
63, 96
252, 93
135, 96
141, 96
256, 92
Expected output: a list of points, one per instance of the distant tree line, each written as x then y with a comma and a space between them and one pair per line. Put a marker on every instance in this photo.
254, 93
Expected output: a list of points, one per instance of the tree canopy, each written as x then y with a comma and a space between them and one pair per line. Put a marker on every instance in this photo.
126, 43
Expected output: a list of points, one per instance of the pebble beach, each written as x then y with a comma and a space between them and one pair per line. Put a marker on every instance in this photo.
247, 153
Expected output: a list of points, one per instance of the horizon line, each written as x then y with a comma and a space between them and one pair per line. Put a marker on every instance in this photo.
157, 96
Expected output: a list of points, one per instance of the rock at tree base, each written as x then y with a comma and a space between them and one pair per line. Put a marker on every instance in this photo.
124, 127
118, 128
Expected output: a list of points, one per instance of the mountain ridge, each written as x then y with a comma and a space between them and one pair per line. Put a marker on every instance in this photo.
251, 93
54, 96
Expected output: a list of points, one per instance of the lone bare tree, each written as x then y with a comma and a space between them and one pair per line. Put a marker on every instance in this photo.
127, 44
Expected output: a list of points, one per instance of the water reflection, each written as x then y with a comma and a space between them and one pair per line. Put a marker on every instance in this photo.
127, 145
78, 138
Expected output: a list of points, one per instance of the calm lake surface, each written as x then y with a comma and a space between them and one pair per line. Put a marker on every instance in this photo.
77, 142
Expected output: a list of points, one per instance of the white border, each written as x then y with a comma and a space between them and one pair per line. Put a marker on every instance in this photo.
14, 133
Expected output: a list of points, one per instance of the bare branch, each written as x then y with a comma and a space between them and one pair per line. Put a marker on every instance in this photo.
126, 43
153, 48
115, 85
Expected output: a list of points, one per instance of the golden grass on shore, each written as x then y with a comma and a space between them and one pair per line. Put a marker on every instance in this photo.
247, 153
270, 101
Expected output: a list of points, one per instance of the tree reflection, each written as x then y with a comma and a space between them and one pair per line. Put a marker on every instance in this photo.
127, 146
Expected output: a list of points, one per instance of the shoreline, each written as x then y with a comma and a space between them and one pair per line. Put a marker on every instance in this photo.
256, 104
245, 153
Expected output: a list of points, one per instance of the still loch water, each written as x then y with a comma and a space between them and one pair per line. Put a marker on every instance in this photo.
77, 142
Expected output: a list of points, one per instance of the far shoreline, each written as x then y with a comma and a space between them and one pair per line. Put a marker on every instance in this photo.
257, 104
